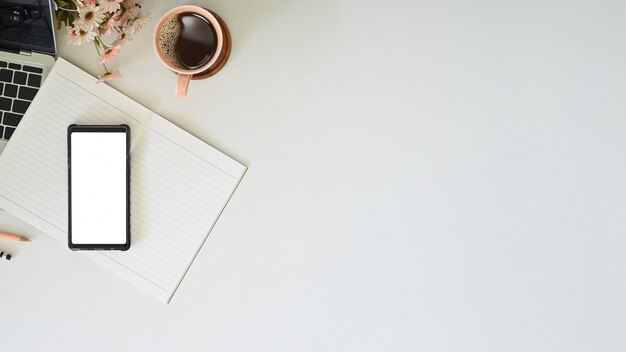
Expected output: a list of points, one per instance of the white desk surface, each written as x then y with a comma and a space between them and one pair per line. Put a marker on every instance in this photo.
423, 176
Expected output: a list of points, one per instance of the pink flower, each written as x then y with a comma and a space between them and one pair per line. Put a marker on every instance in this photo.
109, 25
110, 76
123, 18
89, 2
109, 53
123, 37
71, 35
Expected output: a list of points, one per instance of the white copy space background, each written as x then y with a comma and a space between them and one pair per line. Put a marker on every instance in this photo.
430, 175
98, 167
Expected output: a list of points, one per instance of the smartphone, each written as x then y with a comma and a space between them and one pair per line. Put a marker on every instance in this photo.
98, 163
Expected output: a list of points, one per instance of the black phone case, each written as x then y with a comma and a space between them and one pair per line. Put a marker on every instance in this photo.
98, 128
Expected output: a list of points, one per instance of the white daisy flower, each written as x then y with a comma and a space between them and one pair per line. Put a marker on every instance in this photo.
90, 17
82, 36
109, 5
137, 25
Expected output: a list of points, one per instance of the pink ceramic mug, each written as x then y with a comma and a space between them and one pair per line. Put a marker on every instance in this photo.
184, 75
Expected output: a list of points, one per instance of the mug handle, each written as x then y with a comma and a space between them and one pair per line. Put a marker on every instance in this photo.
181, 85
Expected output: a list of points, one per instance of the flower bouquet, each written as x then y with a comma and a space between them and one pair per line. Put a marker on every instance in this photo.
108, 24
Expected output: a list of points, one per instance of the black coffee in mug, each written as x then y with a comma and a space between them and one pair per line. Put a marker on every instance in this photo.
188, 41
197, 41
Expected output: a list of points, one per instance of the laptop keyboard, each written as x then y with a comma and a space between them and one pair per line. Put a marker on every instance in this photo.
18, 86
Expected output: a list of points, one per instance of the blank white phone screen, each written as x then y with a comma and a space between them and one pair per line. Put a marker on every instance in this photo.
98, 187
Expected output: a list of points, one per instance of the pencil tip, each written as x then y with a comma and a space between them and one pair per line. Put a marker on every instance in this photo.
26, 240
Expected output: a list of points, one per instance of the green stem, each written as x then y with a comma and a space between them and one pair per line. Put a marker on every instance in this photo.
100, 42
95, 43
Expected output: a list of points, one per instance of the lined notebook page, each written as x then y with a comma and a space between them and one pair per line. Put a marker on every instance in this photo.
179, 187
179, 184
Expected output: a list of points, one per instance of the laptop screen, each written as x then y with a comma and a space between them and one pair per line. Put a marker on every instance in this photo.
26, 25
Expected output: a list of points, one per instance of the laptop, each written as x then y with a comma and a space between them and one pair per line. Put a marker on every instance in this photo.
27, 53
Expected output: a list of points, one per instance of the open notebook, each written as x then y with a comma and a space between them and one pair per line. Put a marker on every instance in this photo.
179, 184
